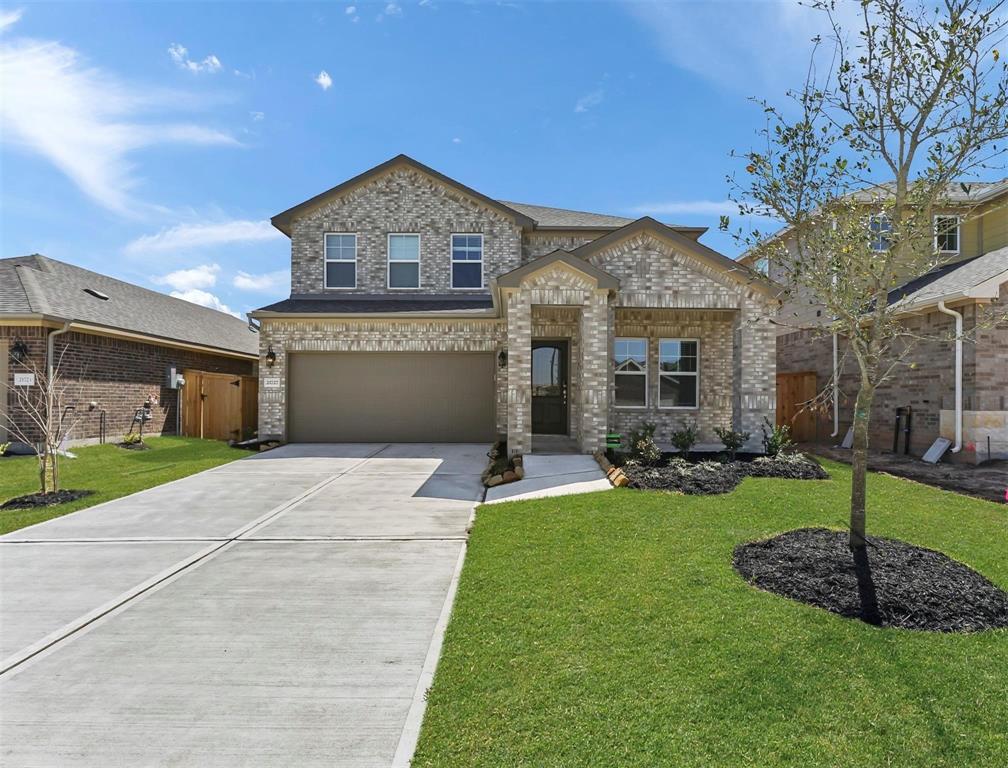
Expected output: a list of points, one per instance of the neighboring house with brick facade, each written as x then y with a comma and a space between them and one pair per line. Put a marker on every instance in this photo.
424, 311
114, 343
972, 232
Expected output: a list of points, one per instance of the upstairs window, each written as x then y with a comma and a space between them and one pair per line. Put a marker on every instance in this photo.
403, 261
946, 234
631, 373
467, 261
678, 373
340, 260
879, 227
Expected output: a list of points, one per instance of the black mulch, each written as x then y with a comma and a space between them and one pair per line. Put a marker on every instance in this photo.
904, 586
44, 499
709, 477
141, 446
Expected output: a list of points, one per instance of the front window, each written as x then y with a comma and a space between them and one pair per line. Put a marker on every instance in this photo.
631, 373
879, 227
467, 261
404, 261
340, 261
678, 373
947, 234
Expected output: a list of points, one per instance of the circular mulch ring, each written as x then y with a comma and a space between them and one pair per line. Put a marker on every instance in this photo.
44, 499
912, 587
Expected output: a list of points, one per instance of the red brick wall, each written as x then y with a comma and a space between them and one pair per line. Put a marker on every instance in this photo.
927, 387
117, 374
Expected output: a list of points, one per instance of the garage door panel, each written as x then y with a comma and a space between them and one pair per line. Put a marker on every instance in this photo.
391, 397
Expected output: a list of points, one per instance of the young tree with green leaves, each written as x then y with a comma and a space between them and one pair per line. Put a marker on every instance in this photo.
915, 94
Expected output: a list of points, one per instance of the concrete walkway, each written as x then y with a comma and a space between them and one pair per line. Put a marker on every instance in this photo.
552, 475
285, 609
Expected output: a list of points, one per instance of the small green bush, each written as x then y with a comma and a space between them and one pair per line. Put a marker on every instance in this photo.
731, 440
684, 439
776, 439
643, 449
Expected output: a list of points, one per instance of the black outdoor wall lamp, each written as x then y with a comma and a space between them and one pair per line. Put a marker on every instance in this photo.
19, 352
502, 359
270, 356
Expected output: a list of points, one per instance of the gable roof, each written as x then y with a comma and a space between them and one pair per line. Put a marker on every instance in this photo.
548, 217
513, 278
976, 278
37, 285
282, 221
687, 245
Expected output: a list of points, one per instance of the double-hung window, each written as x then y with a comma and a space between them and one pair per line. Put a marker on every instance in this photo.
630, 361
946, 234
678, 373
879, 228
340, 260
467, 261
403, 261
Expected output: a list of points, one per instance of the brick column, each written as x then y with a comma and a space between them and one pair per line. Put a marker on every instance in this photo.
519, 373
594, 370
754, 370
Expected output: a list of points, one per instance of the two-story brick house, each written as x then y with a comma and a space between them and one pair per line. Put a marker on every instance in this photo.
423, 310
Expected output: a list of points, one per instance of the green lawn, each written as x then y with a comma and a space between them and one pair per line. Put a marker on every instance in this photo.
110, 471
610, 630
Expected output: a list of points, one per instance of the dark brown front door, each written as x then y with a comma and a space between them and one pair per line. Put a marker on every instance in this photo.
549, 387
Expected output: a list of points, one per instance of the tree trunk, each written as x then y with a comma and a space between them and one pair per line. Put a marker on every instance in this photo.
859, 466
42, 457
54, 458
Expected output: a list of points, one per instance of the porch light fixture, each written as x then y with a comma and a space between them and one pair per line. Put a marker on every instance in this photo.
502, 359
19, 352
270, 356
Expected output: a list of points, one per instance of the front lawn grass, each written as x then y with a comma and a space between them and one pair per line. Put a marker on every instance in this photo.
110, 471
610, 629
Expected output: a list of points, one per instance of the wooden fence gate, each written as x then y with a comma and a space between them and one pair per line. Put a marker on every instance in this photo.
793, 391
219, 406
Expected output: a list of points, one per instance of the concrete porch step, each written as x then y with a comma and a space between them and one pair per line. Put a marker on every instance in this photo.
555, 444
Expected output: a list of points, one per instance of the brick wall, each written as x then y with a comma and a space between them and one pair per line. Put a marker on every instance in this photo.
117, 374
407, 201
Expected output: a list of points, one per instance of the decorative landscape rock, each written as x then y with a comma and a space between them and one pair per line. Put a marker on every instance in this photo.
913, 587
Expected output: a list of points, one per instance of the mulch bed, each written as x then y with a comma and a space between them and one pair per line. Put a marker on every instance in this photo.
134, 446
912, 587
44, 499
710, 477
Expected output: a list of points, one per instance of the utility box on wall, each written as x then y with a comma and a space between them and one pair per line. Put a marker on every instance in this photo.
173, 379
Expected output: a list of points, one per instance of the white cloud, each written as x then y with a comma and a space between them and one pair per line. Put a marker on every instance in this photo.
203, 276
85, 121
323, 79
265, 282
257, 117
10, 18
456, 140
590, 100
350, 10
393, 9
183, 237
180, 55
204, 299
748, 47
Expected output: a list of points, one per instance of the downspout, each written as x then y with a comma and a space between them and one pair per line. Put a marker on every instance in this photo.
50, 365
836, 390
958, 373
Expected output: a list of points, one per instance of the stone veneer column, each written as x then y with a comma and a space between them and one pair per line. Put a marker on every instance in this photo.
594, 371
755, 370
519, 373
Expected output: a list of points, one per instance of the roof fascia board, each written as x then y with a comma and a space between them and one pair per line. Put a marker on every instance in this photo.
603, 279
488, 315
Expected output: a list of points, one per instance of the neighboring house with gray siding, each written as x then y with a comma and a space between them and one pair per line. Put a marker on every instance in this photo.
423, 310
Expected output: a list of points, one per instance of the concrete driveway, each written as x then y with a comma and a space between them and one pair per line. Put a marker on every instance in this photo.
284, 609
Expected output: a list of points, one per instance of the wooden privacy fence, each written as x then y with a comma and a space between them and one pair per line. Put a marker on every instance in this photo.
794, 390
219, 406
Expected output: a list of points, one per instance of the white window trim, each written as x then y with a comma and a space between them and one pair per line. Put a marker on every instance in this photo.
644, 373
453, 262
326, 260
958, 231
695, 373
389, 261
872, 233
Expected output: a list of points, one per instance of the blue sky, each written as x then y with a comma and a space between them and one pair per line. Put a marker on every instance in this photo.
153, 141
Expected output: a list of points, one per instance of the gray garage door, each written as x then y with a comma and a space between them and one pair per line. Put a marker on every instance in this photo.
390, 397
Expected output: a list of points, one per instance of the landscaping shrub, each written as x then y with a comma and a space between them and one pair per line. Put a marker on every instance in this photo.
684, 439
731, 440
643, 448
776, 439
791, 466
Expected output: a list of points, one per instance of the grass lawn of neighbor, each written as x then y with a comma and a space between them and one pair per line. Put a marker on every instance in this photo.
610, 629
110, 471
